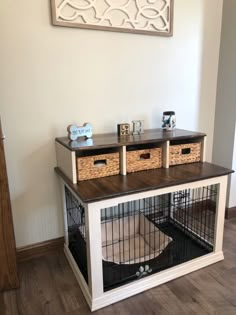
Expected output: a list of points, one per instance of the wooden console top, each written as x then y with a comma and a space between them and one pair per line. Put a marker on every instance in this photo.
109, 140
119, 185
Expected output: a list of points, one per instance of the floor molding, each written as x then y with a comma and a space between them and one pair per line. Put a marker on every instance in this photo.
39, 249
230, 213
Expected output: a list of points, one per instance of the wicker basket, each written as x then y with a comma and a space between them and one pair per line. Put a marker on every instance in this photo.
96, 166
185, 153
146, 159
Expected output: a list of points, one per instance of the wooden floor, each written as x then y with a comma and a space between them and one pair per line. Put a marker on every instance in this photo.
48, 286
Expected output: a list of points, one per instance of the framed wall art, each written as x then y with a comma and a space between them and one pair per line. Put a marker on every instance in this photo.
151, 17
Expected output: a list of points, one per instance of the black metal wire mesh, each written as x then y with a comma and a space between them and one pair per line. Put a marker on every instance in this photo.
194, 212
128, 234
148, 235
76, 231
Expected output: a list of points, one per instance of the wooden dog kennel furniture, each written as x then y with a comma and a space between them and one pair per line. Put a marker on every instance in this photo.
127, 233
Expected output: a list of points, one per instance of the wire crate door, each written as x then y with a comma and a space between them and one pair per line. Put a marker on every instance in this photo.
145, 236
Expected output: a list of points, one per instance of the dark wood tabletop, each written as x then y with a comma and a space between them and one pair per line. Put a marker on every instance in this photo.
119, 185
113, 140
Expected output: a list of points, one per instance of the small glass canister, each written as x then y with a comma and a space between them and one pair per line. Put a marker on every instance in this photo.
168, 120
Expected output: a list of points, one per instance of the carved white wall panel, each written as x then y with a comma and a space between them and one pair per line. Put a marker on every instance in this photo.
153, 17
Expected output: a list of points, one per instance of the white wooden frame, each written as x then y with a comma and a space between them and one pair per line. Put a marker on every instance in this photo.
93, 292
129, 16
66, 160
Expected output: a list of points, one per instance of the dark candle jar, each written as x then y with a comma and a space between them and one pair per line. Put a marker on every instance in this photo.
168, 120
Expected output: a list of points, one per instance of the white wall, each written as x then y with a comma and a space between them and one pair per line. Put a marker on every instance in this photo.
53, 76
225, 115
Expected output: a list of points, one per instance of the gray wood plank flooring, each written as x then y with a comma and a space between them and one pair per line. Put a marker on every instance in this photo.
48, 287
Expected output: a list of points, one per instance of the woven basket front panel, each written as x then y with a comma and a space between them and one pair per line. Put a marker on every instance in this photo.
135, 162
193, 153
87, 169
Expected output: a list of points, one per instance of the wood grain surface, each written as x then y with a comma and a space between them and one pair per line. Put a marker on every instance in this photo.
8, 265
230, 213
48, 286
108, 140
39, 249
119, 185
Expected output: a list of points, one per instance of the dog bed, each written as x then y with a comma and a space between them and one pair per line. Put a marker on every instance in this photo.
132, 239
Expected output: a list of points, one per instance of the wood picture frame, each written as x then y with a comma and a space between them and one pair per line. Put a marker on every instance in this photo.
129, 16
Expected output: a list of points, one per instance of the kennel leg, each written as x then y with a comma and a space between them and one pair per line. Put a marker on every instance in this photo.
94, 250
220, 214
